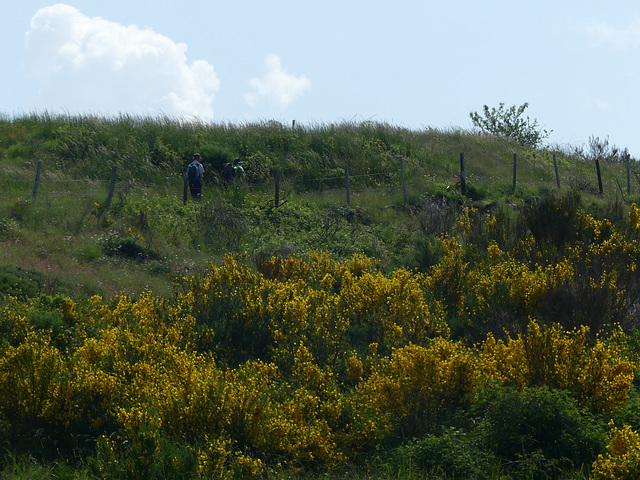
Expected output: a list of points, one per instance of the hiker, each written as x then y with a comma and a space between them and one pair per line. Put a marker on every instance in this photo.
233, 170
238, 171
195, 174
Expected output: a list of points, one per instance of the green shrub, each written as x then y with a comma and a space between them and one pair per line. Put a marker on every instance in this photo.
510, 123
552, 221
129, 248
630, 413
18, 282
454, 453
537, 423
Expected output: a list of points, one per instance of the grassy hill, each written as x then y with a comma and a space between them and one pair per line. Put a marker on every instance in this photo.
355, 310
68, 241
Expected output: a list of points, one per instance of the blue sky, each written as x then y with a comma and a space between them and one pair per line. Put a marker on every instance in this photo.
415, 64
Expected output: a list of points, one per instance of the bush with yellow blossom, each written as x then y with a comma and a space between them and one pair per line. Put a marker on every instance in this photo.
313, 363
621, 461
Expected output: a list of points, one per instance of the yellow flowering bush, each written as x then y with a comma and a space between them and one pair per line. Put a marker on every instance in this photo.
634, 219
36, 385
621, 461
598, 376
408, 390
330, 305
314, 362
448, 278
574, 269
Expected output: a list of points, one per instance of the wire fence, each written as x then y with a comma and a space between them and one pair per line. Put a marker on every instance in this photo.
345, 185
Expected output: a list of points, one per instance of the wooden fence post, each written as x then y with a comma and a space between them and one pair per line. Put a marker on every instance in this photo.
346, 179
599, 176
36, 184
278, 177
555, 167
515, 171
463, 178
628, 178
404, 185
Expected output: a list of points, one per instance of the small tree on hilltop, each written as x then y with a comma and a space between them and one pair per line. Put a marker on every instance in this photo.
510, 123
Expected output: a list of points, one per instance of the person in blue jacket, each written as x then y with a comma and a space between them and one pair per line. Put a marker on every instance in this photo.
195, 175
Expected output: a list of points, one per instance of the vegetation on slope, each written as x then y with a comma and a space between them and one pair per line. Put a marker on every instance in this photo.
234, 337
66, 234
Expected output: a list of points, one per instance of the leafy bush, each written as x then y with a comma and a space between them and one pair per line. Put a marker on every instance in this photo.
129, 248
19, 282
552, 221
516, 424
455, 453
510, 123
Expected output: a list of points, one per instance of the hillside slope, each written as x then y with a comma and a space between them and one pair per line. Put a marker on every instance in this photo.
346, 188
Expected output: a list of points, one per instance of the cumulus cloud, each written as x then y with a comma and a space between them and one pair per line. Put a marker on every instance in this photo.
276, 85
622, 38
92, 65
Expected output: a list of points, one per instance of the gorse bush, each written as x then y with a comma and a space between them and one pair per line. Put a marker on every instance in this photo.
621, 460
332, 306
310, 363
493, 284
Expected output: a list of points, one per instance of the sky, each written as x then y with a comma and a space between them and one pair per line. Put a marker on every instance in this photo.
416, 64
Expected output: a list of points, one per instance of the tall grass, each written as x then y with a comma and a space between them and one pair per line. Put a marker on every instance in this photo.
155, 149
151, 154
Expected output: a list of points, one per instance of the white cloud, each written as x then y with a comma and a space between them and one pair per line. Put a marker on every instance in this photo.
622, 38
98, 66
276, 85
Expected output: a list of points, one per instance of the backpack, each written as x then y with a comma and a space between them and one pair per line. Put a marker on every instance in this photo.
192, 172
228, 172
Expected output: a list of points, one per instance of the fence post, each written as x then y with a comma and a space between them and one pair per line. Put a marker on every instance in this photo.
346, 179
293, 125
278, 176
628, 178
515, 171
599, 176
36, 184
463, 178
555, 167
112, 187
404, 186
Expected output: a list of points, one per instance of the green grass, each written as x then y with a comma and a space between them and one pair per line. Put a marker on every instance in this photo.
22, 468
59, 233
